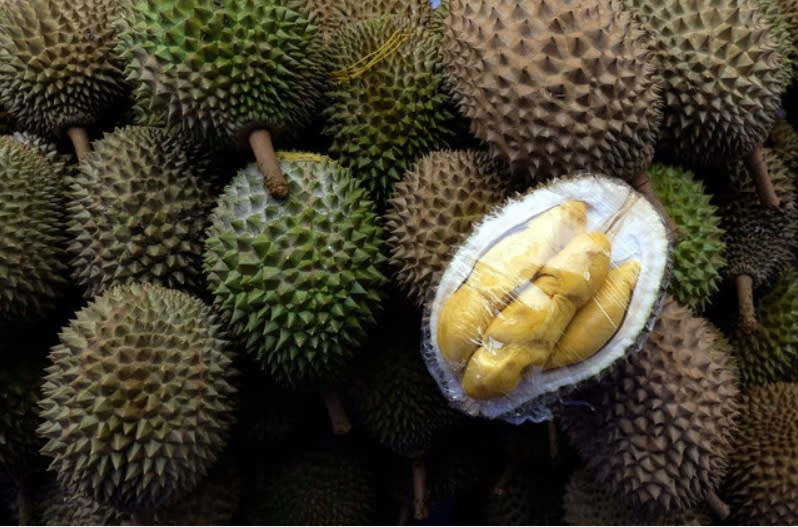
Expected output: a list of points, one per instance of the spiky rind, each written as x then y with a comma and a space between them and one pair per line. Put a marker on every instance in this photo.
722, 74
699, 257
218, 71
586, 503
657, 429
775, 14
783, 141
319, 487
138, 211
759, 240
60, 507
764, 462
555, 86
513, 506
59, 69
347, 11
299, 279
433, 208
32, 239
137, 402
397, 111
767, 354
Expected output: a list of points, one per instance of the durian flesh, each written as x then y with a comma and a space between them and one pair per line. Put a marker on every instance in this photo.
547, 292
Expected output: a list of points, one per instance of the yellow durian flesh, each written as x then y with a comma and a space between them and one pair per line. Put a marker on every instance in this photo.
496, 372
578, 270
595, 323
533, 317
509, 263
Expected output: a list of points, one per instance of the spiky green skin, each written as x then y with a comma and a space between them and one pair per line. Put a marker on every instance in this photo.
767, 354
433, 208
761, 485
783, 140
138, 211
59, 507
319, 487
219, 71
59, 69
32, 239
348, 11
774, 12
299, 279
759, 241
19, 393
396, 399
137, 402
699, 256
722, 72
397, 111
512, 507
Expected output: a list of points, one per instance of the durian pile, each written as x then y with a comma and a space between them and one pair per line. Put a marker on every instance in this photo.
312, 262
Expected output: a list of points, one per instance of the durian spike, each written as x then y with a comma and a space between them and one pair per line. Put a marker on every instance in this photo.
339, 420
505, 478
143, 517
554, 439
420, 490
24, 504
80, 141
642, 184
745, 302
758, 169
261, 143
718, 507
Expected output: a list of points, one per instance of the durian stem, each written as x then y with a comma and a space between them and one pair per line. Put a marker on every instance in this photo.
505, 478
80, 141
642, 184
745, 302
24, 504
554, 440
338, 417
261, 143
420, 490
758, 169
719, 508
143, 517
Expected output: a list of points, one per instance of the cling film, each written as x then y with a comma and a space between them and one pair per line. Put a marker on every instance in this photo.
534, 298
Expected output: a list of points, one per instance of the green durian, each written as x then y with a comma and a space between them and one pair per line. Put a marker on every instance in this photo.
775, 14
783, 141
59, 72
137, 402
318, 486
298, 280
138, 211
33, 271
511, 506
57, 506
698, 258
768, 353
219, 71
387, 112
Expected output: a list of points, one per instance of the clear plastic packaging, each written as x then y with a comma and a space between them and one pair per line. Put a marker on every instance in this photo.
547, 292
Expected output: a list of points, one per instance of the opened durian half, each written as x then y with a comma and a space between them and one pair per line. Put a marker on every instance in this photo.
548, 291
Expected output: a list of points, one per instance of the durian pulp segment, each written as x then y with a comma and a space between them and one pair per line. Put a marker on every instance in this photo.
505, 266
639, 234
563, 284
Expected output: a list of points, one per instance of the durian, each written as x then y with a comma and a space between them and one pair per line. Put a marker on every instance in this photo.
556, 86
759, 240
433, 208
762, 483
586, 503
20, 382
698, 257
60, 507
783, 141
319, 486
389, 111
511, 506
656, 431
137, 403
506, 329
138, 212
33, 271
723, 77
768, 353
348, 11
241, 70
298, 280
59, 73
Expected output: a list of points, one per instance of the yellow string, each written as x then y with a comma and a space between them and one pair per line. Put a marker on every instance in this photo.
302, 156
362, 65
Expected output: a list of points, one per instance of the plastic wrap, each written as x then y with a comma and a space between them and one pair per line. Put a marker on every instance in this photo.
547, 292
